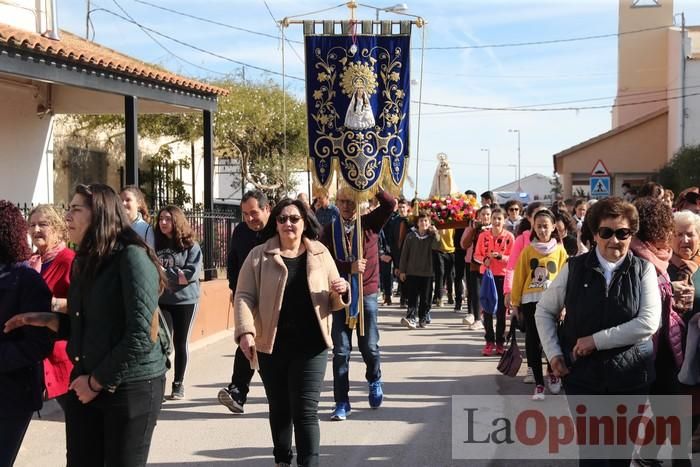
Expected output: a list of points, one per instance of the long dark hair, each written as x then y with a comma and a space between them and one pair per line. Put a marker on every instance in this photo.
182, 237
13, 234
312, 228
525, 225
109, 228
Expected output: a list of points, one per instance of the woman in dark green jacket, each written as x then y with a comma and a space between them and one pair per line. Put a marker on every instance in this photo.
114, 341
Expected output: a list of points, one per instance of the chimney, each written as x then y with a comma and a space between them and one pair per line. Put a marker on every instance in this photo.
53, 32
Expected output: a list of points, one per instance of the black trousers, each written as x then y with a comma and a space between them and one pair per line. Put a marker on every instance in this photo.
418, 296
473, 286
293, 382
443, 270
533, 345
499, 336
386, 278
460, 268
572, 391
180, 319
114, 430
242, 373
12, 430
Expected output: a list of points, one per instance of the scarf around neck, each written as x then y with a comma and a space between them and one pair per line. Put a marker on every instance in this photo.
37, 260
688, 267
544, 248
658, 257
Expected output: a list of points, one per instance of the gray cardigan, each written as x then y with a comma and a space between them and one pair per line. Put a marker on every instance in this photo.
190, 263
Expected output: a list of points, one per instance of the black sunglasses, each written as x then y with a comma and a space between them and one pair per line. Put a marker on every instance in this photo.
621, 234
282, 219
691, 197
513, 209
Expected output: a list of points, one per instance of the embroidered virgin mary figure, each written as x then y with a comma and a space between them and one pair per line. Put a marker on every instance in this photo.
359, 83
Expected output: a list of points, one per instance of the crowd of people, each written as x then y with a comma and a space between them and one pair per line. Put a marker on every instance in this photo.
606, 291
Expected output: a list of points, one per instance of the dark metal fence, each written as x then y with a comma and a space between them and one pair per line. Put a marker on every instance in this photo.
219, 225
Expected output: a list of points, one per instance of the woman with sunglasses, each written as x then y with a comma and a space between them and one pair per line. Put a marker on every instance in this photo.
613, 307
688, 200
181, 259
114, 341
287, 290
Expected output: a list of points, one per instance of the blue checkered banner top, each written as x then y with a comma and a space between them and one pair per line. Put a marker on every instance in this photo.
358, 94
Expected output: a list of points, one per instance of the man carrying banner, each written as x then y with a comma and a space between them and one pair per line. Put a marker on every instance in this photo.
341, 240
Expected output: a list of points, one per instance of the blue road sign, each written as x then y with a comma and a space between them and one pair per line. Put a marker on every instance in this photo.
600, 187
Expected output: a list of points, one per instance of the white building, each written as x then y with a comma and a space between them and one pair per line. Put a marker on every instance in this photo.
537, 186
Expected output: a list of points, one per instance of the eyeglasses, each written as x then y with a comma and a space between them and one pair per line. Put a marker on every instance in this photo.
344, 201
691, 197
621, 234
513, 210
282, 219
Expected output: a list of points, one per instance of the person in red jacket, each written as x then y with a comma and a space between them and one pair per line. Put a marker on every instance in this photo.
492, 251
53, 260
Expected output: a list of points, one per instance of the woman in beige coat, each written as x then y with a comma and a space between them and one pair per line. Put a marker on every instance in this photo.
287, 289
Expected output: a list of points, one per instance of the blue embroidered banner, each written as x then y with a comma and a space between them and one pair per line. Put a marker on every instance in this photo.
358, 95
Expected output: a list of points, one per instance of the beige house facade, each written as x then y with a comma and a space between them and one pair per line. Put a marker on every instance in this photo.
655, 112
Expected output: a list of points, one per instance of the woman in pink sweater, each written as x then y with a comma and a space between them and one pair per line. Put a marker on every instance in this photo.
492, 251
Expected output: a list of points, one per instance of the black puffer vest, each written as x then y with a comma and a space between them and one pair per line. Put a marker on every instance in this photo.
592, 307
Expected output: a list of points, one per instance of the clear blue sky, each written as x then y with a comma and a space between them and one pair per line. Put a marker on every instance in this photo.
490, 77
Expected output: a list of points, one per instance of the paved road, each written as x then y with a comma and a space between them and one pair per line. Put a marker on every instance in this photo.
422, 369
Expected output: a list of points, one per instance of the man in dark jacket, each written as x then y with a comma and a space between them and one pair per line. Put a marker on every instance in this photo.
255, 209
340, 240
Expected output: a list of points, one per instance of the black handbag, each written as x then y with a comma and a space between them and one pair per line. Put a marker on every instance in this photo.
512, 359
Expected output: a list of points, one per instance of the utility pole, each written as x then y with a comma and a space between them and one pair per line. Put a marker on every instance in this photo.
488, 172
519, 175
87, 22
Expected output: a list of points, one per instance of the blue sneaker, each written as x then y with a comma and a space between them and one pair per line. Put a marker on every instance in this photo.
376, 395
341, 411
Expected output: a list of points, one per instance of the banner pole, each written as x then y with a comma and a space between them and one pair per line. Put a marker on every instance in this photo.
360, 255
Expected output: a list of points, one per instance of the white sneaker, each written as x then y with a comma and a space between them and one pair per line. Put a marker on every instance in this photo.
468, 320
539, 393
529, 377
477, 326
554, 384
409, 323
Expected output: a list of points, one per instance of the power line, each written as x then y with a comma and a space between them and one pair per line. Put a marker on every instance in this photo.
546, 42
591, 99
194, 47
555, 109
159, 43
281, 30
210, 21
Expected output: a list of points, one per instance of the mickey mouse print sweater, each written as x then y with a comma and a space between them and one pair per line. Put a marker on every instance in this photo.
538, 265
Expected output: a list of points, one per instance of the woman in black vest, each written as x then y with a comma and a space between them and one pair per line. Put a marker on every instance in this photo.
613, 307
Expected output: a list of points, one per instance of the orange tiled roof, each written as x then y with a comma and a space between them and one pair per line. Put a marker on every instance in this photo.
76, 49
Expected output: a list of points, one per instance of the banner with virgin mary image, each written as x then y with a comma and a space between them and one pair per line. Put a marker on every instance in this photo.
358, 95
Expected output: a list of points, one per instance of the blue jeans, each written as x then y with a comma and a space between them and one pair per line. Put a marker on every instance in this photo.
342, 346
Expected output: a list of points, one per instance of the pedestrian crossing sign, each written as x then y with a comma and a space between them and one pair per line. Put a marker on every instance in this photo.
600, 187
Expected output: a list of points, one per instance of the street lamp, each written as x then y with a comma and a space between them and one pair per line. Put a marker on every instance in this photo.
518, 132
398, 8
515, 170
488, 162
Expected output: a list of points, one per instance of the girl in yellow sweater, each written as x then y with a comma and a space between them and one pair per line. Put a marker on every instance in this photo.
538, 265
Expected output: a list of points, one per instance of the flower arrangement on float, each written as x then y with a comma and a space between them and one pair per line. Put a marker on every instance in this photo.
450, 212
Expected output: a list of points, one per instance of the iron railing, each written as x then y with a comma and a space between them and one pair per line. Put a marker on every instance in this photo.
219, 224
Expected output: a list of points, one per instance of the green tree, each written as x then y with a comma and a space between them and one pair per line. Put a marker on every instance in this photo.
556, 189
249, 125
682, 171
